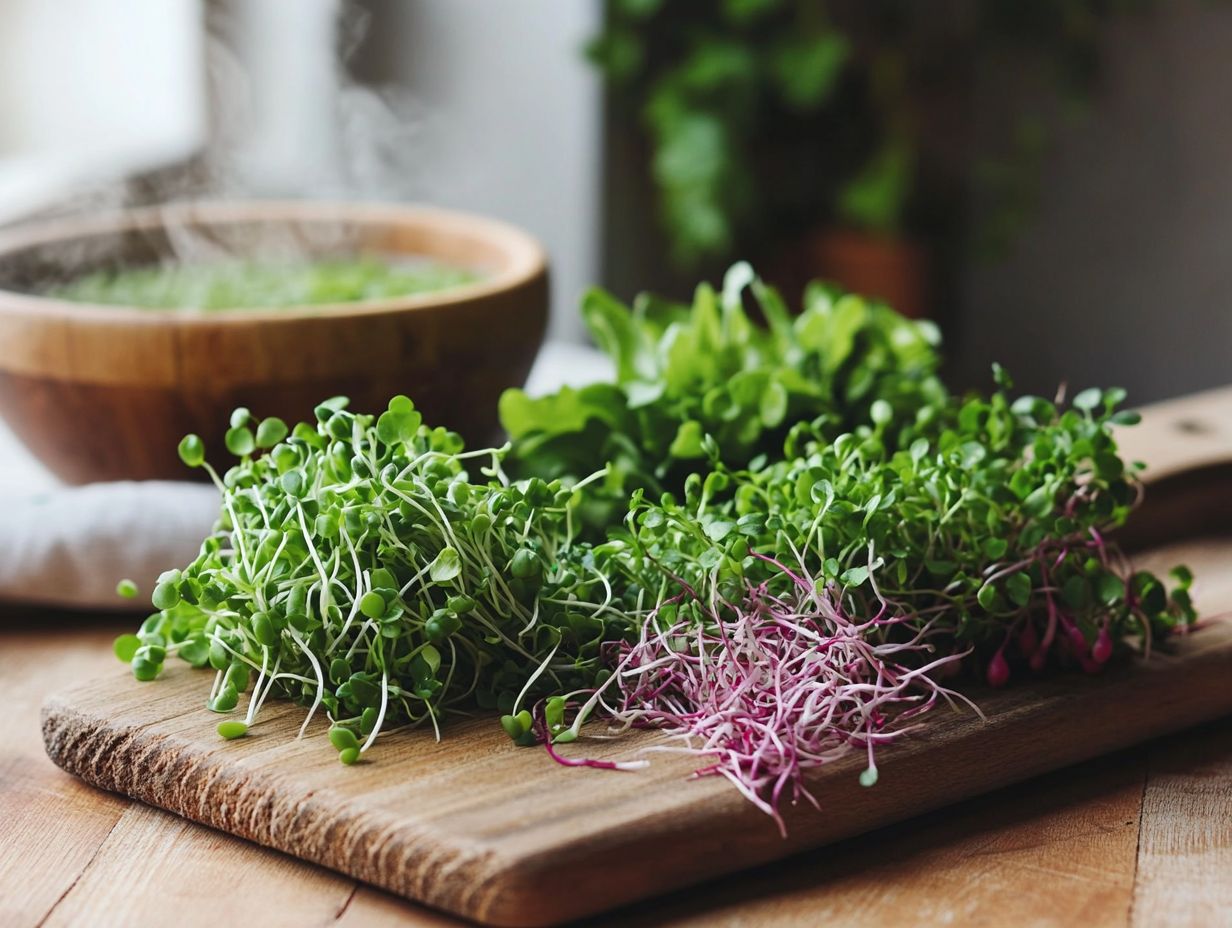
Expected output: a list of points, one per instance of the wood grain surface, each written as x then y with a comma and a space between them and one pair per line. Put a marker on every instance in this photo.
482, 829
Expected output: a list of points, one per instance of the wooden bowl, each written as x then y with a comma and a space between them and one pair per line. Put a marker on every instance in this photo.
107, 392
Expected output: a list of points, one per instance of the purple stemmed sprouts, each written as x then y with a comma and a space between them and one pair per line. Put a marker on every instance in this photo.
1037, 633
775, 685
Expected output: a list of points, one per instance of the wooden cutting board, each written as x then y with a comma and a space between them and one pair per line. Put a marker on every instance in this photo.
501, 835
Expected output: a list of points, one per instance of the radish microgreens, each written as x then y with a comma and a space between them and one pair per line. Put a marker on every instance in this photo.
989, 524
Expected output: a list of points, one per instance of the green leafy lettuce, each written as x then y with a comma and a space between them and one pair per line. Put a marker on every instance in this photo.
709, 373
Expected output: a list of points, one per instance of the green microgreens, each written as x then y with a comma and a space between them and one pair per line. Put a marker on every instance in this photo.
988, 527
357, 567
816, 468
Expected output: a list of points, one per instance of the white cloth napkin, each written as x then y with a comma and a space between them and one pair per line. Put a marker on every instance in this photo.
69, 546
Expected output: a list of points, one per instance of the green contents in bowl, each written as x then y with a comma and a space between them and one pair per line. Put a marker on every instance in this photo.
256, 285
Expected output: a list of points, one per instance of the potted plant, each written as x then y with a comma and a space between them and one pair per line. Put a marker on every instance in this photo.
833, 139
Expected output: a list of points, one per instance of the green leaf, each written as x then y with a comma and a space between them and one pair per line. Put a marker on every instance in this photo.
342, 738
566, 411
614, 330
400, 422
432, 657
1109, 588
446, 566
240, 442
854, 576
270, 432
688, 441
1018, 588
1088, 399
166, 595
1039, 502
1109, 466
125, 647
1076, 592
996, 548
192, 450
987, 597
231, 729
773, 407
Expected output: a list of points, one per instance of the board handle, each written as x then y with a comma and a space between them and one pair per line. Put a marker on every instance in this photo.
1187, 446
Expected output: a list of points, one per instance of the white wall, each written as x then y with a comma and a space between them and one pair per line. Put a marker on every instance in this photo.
510, 122
472, 104
93, 86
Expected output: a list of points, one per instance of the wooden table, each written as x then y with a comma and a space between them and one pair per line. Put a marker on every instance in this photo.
1143, 837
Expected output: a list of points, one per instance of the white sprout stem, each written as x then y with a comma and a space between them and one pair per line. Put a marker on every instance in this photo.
237, 532
216, 687
534, 617
316, 558
273, 561
360, 583
253, 702
533, 677
316, 666
256, 497
269, 684
436, 728
380, 716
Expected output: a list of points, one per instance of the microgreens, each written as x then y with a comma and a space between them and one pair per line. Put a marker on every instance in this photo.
990, 522
358, 568
772, 543
707, 376
771, 686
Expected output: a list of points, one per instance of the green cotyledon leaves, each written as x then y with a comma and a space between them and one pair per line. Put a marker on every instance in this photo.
370, 568
373, 568
990, 533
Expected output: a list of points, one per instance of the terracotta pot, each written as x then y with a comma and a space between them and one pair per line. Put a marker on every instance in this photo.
106, 393
885, 267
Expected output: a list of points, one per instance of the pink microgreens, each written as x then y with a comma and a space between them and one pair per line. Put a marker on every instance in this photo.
1060, 633
776, 685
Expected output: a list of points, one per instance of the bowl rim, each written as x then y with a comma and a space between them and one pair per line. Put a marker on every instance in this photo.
525, 257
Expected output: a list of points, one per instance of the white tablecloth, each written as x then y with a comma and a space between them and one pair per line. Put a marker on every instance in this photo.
68, 546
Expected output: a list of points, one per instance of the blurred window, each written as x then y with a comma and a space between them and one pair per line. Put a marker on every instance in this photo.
92, 88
